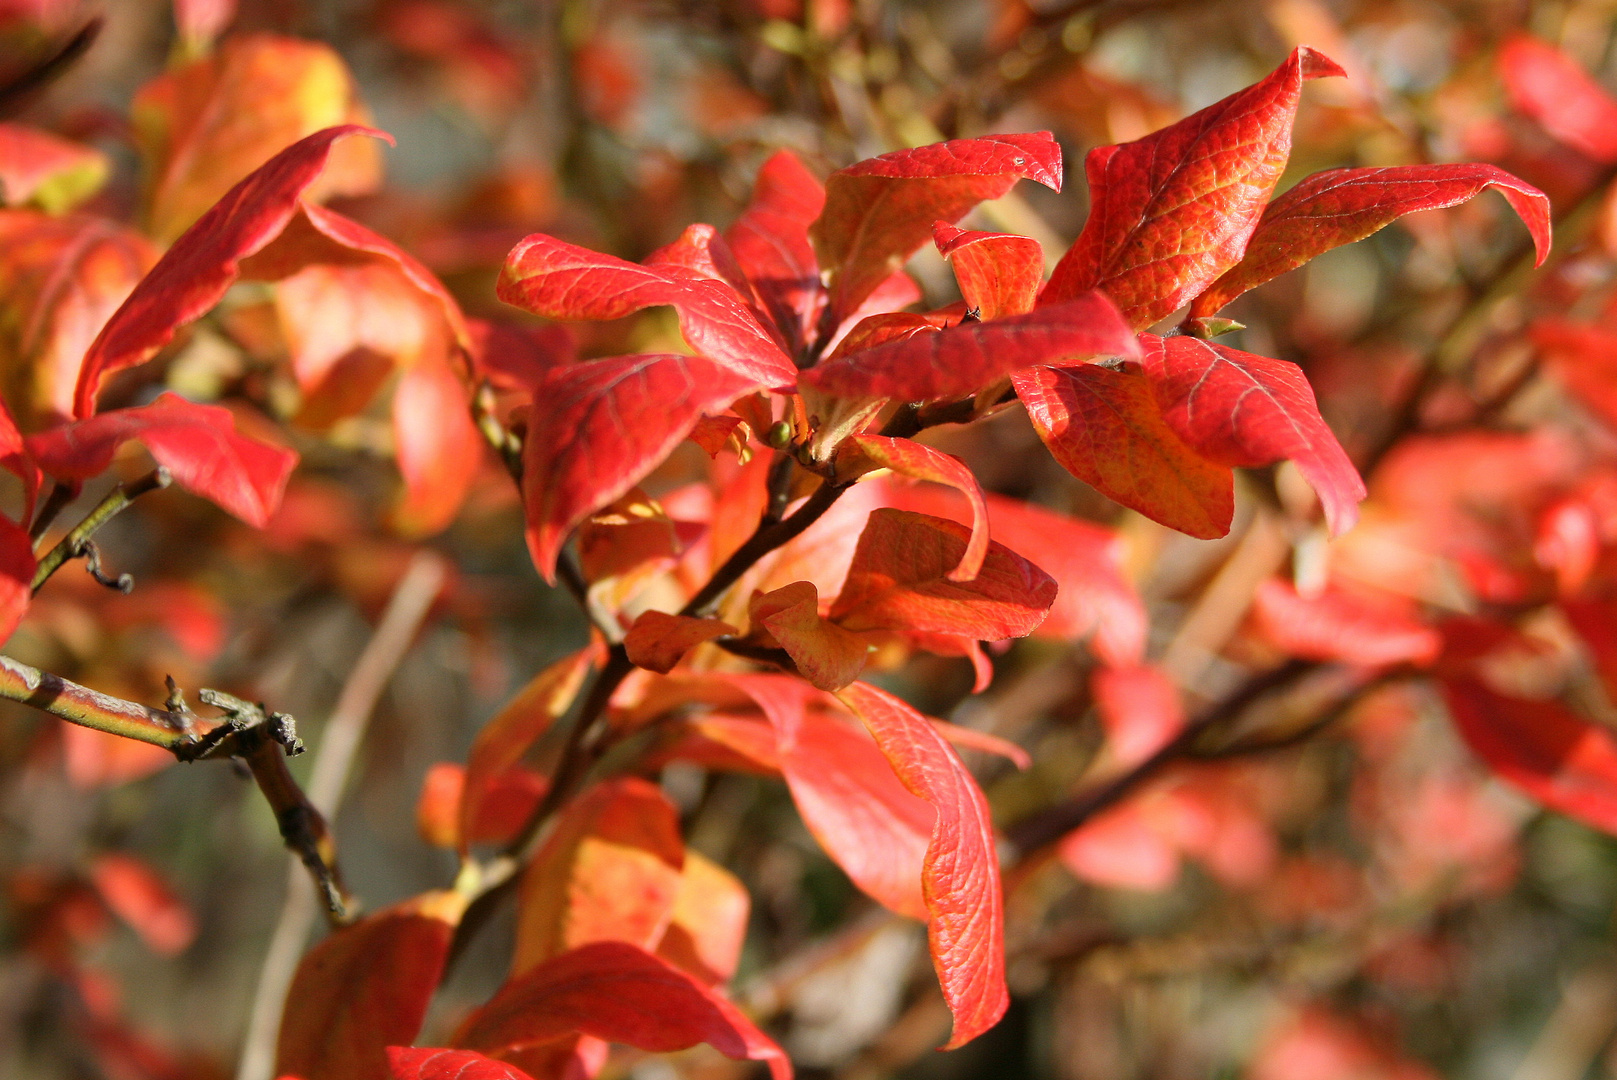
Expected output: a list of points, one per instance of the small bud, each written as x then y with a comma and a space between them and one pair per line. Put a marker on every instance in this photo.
1211, 326
779, 435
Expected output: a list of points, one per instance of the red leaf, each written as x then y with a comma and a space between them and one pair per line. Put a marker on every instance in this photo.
1339, 206
1563, 761
1172, 211
709, 923
848, 795
921, 462
432, 1063
1341, 626
880, 211
204, 125
438, 447
971, 739
60, 281
899, 580
703, 252
1106, 428
828, 656
46, 170
506, 801
1246, 410
999, 274
562, 281
506, 738
1584, 358
134, 892
879, 329
657, 641
598, 427
610, 870
364, 988
966, 918
16, 576
1549, 86
617, 992
972, 356
199, 444
203, 263
771, 242
1139, 709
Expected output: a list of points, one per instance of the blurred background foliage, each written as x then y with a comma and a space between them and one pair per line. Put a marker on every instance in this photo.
1364, 904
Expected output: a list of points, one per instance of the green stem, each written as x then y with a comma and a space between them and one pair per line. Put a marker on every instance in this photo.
89, 708
71, 546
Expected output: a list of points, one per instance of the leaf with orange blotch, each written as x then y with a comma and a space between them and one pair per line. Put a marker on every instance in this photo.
771, 243
563, 281
963, 359
921, 462
1105, 428
848, 795
1245, 410
615, 991
1139, 710
965, 908
198, 444
1343, 627
60, 281
714, 433
657, 640
439, 448
899, 580
503, 741
610, 870
505, 803
16, 575
1564, 761
1086, 559
46, 170
436, 1063
599, 426
879, 212
710, 921
1172, 211
364, 988
1339, 206
202, 264
205, 125
828, 656
999, 274
1550, 87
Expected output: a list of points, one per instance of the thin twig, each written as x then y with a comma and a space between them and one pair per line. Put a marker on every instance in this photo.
73, 545
412, 599
92, 709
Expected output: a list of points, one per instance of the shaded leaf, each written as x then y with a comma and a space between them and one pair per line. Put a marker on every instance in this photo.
60, 281
921, 462
1562, 760
503, 741
899, 579
16, 579
563, 281
198, 444
880, 211
505, 802
203, 263
771, 242
828, 656
1246, 410
46, 170
1171, 212
434, 1063
1339, 206
999, 274
1548, 85
364, 988
657, 640
205, 125
610, 870
963, 359
598, 427
615, 991
709, 923
966, 918
1106, 428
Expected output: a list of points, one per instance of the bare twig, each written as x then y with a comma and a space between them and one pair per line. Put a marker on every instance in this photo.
411, 600
76, 543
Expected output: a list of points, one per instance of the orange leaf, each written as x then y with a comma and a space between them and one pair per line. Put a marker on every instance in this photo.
921, 462
657, 640
828, 656
709, 922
